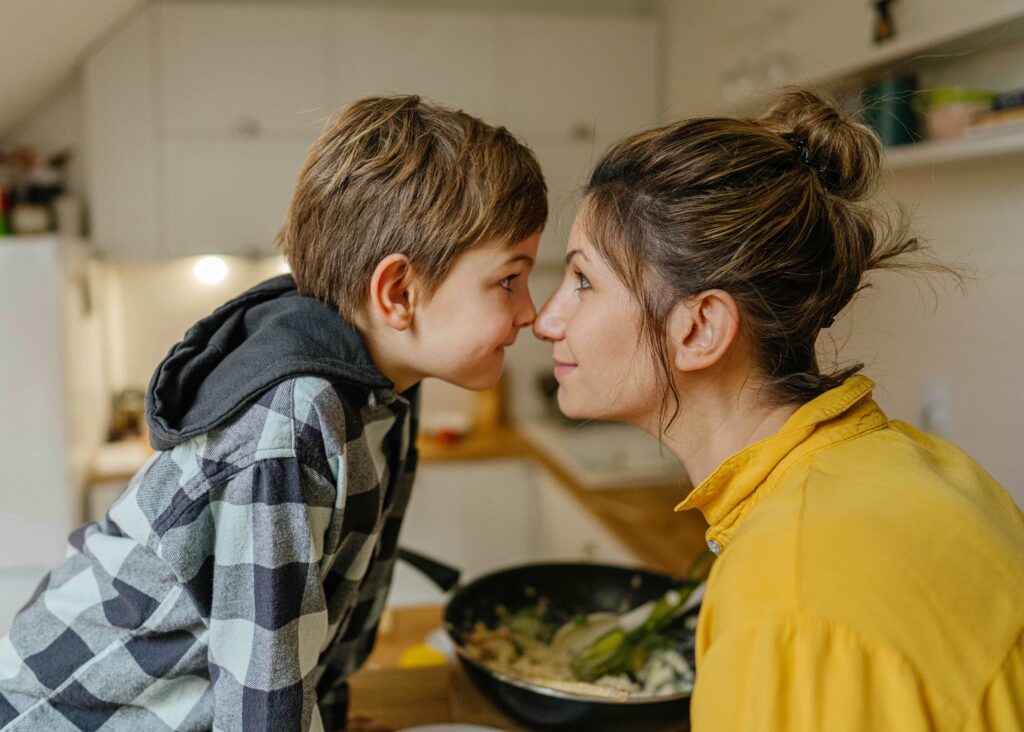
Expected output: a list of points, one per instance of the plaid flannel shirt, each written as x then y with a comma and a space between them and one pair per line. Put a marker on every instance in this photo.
235, 583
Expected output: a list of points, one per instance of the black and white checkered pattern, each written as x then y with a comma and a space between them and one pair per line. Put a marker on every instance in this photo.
234, 584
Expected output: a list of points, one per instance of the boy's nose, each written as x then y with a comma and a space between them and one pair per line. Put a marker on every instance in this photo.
527, 314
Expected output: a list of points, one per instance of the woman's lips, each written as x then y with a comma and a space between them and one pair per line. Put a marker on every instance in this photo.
562, 368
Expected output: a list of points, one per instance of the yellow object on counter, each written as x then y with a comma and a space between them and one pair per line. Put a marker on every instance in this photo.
421, 655
870, 577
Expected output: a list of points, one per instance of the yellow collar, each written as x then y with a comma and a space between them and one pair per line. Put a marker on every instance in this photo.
725, 495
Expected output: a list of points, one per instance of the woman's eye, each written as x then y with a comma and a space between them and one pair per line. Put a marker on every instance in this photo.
582, 283
506, 283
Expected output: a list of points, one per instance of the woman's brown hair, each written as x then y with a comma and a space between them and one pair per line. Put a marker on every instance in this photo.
396, 175
772, 210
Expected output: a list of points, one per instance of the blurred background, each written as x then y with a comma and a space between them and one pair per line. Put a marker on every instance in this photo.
148, 151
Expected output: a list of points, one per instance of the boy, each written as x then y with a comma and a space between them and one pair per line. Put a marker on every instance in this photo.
239, 579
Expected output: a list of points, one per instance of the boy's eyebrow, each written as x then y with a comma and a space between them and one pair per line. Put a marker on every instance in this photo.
519, 258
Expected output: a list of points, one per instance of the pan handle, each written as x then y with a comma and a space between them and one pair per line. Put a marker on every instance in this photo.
440, 574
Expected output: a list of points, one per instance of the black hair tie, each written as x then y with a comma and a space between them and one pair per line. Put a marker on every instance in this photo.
800, 145
822, 171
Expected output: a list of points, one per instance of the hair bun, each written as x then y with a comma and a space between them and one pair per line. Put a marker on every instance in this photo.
845, 154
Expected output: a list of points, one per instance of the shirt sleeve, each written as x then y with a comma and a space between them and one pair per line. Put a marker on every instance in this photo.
804, 675
250, 559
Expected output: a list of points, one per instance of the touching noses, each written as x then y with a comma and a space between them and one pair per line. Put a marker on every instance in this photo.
549, 324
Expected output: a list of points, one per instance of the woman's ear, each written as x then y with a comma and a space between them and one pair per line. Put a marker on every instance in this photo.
393, 291
701, 329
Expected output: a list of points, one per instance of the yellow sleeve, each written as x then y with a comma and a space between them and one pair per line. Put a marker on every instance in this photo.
800, 675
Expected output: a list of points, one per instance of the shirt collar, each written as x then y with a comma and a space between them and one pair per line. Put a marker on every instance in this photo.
725, 495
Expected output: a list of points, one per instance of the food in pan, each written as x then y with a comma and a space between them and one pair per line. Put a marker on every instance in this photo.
600, 654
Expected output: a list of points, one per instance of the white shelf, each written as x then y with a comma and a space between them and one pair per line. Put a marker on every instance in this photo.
910, 53
945, 151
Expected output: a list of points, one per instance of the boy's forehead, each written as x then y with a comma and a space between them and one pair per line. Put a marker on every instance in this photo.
498, 253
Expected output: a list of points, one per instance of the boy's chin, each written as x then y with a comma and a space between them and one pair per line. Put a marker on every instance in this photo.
477, 381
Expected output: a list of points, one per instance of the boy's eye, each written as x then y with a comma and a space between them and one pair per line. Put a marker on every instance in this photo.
506, 283
582, 283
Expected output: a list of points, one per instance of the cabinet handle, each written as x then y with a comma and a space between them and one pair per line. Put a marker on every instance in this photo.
248, 126
582, 131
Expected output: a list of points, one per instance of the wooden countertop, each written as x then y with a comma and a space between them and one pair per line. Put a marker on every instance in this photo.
502, 441
385, 696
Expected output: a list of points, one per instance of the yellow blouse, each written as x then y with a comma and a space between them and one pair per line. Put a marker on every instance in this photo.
870, 577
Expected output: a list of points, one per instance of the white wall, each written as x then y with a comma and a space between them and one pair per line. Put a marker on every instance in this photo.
152, 304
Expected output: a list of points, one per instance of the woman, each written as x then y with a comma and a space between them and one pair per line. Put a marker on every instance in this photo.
870, 576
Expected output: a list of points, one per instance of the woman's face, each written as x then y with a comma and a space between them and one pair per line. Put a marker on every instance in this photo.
593, 323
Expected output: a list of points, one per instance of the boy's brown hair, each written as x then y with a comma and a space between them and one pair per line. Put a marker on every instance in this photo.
397, 175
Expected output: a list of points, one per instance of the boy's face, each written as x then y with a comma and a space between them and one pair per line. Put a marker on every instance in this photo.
475, 313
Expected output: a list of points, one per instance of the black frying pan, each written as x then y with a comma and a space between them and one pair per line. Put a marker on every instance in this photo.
571, 589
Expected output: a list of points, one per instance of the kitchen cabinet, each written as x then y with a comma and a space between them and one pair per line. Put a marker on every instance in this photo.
248, 69
476, 515
199, 115
568, 532
122, 146
567, 162
449, 57
483, 515
565, 75
228, 196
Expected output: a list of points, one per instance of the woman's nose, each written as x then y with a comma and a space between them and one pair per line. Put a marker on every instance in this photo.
549, 324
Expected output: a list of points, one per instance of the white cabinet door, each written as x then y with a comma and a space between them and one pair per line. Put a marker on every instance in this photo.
478, 516
482, 516
228, 195
567, 164
568, 532
121, 142
561, 73
449, 57
246, 67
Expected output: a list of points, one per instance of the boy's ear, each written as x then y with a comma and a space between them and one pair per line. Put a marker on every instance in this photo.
393, 291
701, 330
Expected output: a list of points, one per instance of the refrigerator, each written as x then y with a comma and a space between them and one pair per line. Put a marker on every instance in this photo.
54, 403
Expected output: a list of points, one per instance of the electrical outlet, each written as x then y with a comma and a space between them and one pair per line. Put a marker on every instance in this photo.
937, 409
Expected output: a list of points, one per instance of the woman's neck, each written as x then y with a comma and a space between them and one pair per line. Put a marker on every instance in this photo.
714, 424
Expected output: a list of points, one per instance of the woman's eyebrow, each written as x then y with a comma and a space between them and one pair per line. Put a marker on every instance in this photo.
572, 253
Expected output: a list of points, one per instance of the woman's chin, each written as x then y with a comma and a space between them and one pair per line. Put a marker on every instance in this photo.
570, 409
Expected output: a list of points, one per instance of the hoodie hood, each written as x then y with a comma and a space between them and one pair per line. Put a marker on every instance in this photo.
262, 337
